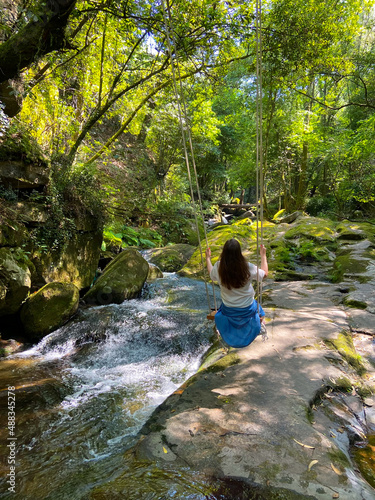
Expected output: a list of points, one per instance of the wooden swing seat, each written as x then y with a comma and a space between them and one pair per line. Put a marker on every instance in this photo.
211, 316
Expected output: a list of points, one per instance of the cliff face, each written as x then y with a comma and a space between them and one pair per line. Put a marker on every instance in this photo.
25, 212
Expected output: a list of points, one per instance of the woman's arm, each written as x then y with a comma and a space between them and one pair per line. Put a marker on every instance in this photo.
208, 260
263, 260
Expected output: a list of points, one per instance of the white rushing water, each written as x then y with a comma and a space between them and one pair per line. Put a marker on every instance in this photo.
116, 364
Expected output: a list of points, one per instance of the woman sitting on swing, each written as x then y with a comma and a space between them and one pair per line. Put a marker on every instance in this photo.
237, 319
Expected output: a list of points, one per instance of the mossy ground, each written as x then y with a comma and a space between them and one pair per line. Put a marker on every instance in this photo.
344, 345
312, 228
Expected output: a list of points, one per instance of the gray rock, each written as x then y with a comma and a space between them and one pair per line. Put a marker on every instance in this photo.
253, 415
288, 219
362, 297
361, 321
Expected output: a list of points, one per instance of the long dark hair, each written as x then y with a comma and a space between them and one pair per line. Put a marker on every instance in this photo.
234, 270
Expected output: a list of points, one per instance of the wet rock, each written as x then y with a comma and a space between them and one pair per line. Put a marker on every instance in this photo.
8, 347
122, 279
15, 280
49, 308
154, 273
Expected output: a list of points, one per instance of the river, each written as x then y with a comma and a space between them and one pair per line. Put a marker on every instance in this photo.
84, 392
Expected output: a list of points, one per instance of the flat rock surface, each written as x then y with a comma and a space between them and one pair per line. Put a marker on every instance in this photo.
361, 321
263, 417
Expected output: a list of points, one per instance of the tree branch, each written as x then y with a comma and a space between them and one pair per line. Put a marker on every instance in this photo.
133, 115
336, 108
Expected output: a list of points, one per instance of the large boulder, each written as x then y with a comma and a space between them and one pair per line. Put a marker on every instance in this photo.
15, 280
122, 279
49, 308
171, 258
76, 264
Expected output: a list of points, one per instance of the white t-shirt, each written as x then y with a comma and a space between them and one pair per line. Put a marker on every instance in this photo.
238, 297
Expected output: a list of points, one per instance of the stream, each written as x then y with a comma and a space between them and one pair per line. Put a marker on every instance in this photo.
84, 392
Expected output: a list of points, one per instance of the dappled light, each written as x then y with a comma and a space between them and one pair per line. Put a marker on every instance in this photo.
179, 180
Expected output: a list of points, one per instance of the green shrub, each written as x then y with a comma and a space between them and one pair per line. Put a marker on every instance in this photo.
320, 205
8, 194
125, 236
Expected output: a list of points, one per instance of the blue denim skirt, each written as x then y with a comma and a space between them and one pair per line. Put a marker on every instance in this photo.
239, 326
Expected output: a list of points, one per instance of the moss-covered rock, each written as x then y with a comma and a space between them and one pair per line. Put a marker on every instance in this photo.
348, 266
122, 279
170, 258
313, 228
281, 217
344, 345
76, 264
154, 273
244, 231
49, 308
12, 234
350, 231
15, 280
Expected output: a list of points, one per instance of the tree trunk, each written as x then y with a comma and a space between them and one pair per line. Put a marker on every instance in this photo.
302, 181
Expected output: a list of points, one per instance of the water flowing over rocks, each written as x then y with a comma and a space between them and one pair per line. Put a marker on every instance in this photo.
284, 416
154, 273
289, 418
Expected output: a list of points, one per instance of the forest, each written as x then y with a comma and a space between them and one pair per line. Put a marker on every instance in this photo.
130, 130
88, 87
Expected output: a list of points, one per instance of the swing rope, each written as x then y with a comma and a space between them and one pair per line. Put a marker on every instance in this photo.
185, 131
259, 147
